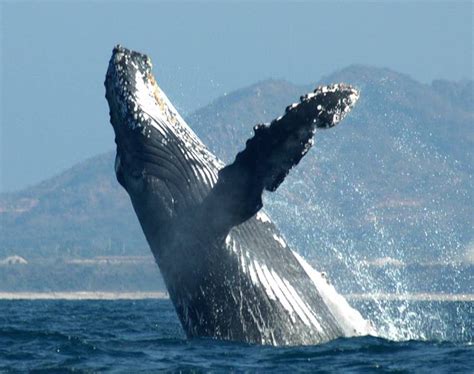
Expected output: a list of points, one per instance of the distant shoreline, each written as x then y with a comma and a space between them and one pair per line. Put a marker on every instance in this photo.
83, 295
108, 295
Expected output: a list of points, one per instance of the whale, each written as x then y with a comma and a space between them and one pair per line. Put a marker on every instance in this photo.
229, 272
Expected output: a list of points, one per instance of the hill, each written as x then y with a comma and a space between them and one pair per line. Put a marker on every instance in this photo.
394, 180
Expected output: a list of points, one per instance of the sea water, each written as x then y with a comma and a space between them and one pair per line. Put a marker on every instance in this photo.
145, 336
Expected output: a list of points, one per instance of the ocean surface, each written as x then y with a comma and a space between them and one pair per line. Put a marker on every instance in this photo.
145, 336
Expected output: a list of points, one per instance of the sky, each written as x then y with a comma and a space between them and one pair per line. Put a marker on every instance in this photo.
54, 55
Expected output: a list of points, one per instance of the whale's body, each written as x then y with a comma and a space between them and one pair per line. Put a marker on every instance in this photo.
228, 270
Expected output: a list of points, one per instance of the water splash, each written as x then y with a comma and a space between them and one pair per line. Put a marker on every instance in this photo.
375, 247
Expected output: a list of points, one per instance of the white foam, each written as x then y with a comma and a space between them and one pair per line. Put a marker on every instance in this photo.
280, 240
351, 321
262, 216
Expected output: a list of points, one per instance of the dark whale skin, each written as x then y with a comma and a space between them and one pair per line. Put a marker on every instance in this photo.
228, 270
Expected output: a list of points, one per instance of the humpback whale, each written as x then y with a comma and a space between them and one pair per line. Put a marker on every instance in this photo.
229, 272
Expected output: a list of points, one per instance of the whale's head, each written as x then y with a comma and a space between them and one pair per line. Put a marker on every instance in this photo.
160, 161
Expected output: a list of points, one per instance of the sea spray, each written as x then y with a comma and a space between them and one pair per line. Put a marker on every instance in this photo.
384, 255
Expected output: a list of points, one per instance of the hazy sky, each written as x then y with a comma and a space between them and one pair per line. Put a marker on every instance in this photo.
54, 56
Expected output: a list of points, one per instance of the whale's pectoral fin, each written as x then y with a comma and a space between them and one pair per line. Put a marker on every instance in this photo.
273, 151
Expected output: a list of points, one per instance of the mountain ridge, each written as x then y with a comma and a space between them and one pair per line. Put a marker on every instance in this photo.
384, 147
466, 86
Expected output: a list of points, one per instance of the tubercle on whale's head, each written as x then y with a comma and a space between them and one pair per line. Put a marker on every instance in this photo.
124, 68
133, 91
140, 112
